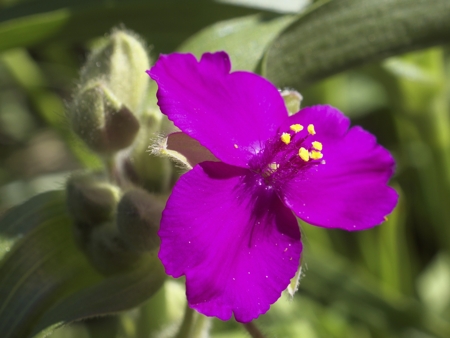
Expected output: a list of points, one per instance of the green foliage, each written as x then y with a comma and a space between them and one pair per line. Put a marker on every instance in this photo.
244, 39
46, 279
336, 35
58, 266
164, 23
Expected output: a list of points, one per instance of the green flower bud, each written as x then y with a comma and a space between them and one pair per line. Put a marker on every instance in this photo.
108, 252
292, 100
111, 93
101, 120
138, 217
91, 200
121, 62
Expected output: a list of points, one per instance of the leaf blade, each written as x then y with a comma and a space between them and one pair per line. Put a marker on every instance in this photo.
46, 279
337, 35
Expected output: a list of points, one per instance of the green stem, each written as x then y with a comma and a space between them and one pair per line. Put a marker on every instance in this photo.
153, 315
253, 330
201, 325
186, 325
113, 174
109, 164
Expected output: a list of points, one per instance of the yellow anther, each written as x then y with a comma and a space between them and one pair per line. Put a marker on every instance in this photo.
311, 129
286, 138
296, 128
316, 155
303, 153
317, 145
236, 146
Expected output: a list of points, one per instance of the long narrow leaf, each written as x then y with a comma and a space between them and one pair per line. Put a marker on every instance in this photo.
46, 279
337, 35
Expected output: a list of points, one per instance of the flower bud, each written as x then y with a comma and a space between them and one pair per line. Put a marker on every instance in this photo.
101, 120
90, 200
108, 252
138, 217
111, 93
292, 100
121, 62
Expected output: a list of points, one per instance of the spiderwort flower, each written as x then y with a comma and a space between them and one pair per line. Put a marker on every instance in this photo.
229, 225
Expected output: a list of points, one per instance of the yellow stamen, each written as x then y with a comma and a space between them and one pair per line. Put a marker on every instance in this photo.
317, 145
311, 129
274, 166
296, 127
271, 168
316, 155
286, 138
303, 153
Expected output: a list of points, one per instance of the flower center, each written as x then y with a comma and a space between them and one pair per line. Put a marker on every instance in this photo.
290, 152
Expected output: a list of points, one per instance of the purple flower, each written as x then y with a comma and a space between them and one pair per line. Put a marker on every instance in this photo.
229, 225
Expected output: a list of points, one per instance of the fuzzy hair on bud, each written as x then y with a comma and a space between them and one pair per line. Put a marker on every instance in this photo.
111, 93
121, 61
138, 217
99, 118
91, 200
108, 252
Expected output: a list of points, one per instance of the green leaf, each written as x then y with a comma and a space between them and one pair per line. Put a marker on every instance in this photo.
50, 106
331, 280
335, 35
46, 279
164, 23
280, 6
244, 39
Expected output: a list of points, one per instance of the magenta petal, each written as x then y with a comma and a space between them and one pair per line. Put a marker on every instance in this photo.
231, 114
236, 242
350, 190
330, 124
190, 148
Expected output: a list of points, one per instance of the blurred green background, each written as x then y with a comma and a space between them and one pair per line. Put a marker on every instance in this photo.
383, 63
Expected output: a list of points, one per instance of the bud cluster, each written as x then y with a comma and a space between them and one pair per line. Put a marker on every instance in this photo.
115, 230
116, 220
